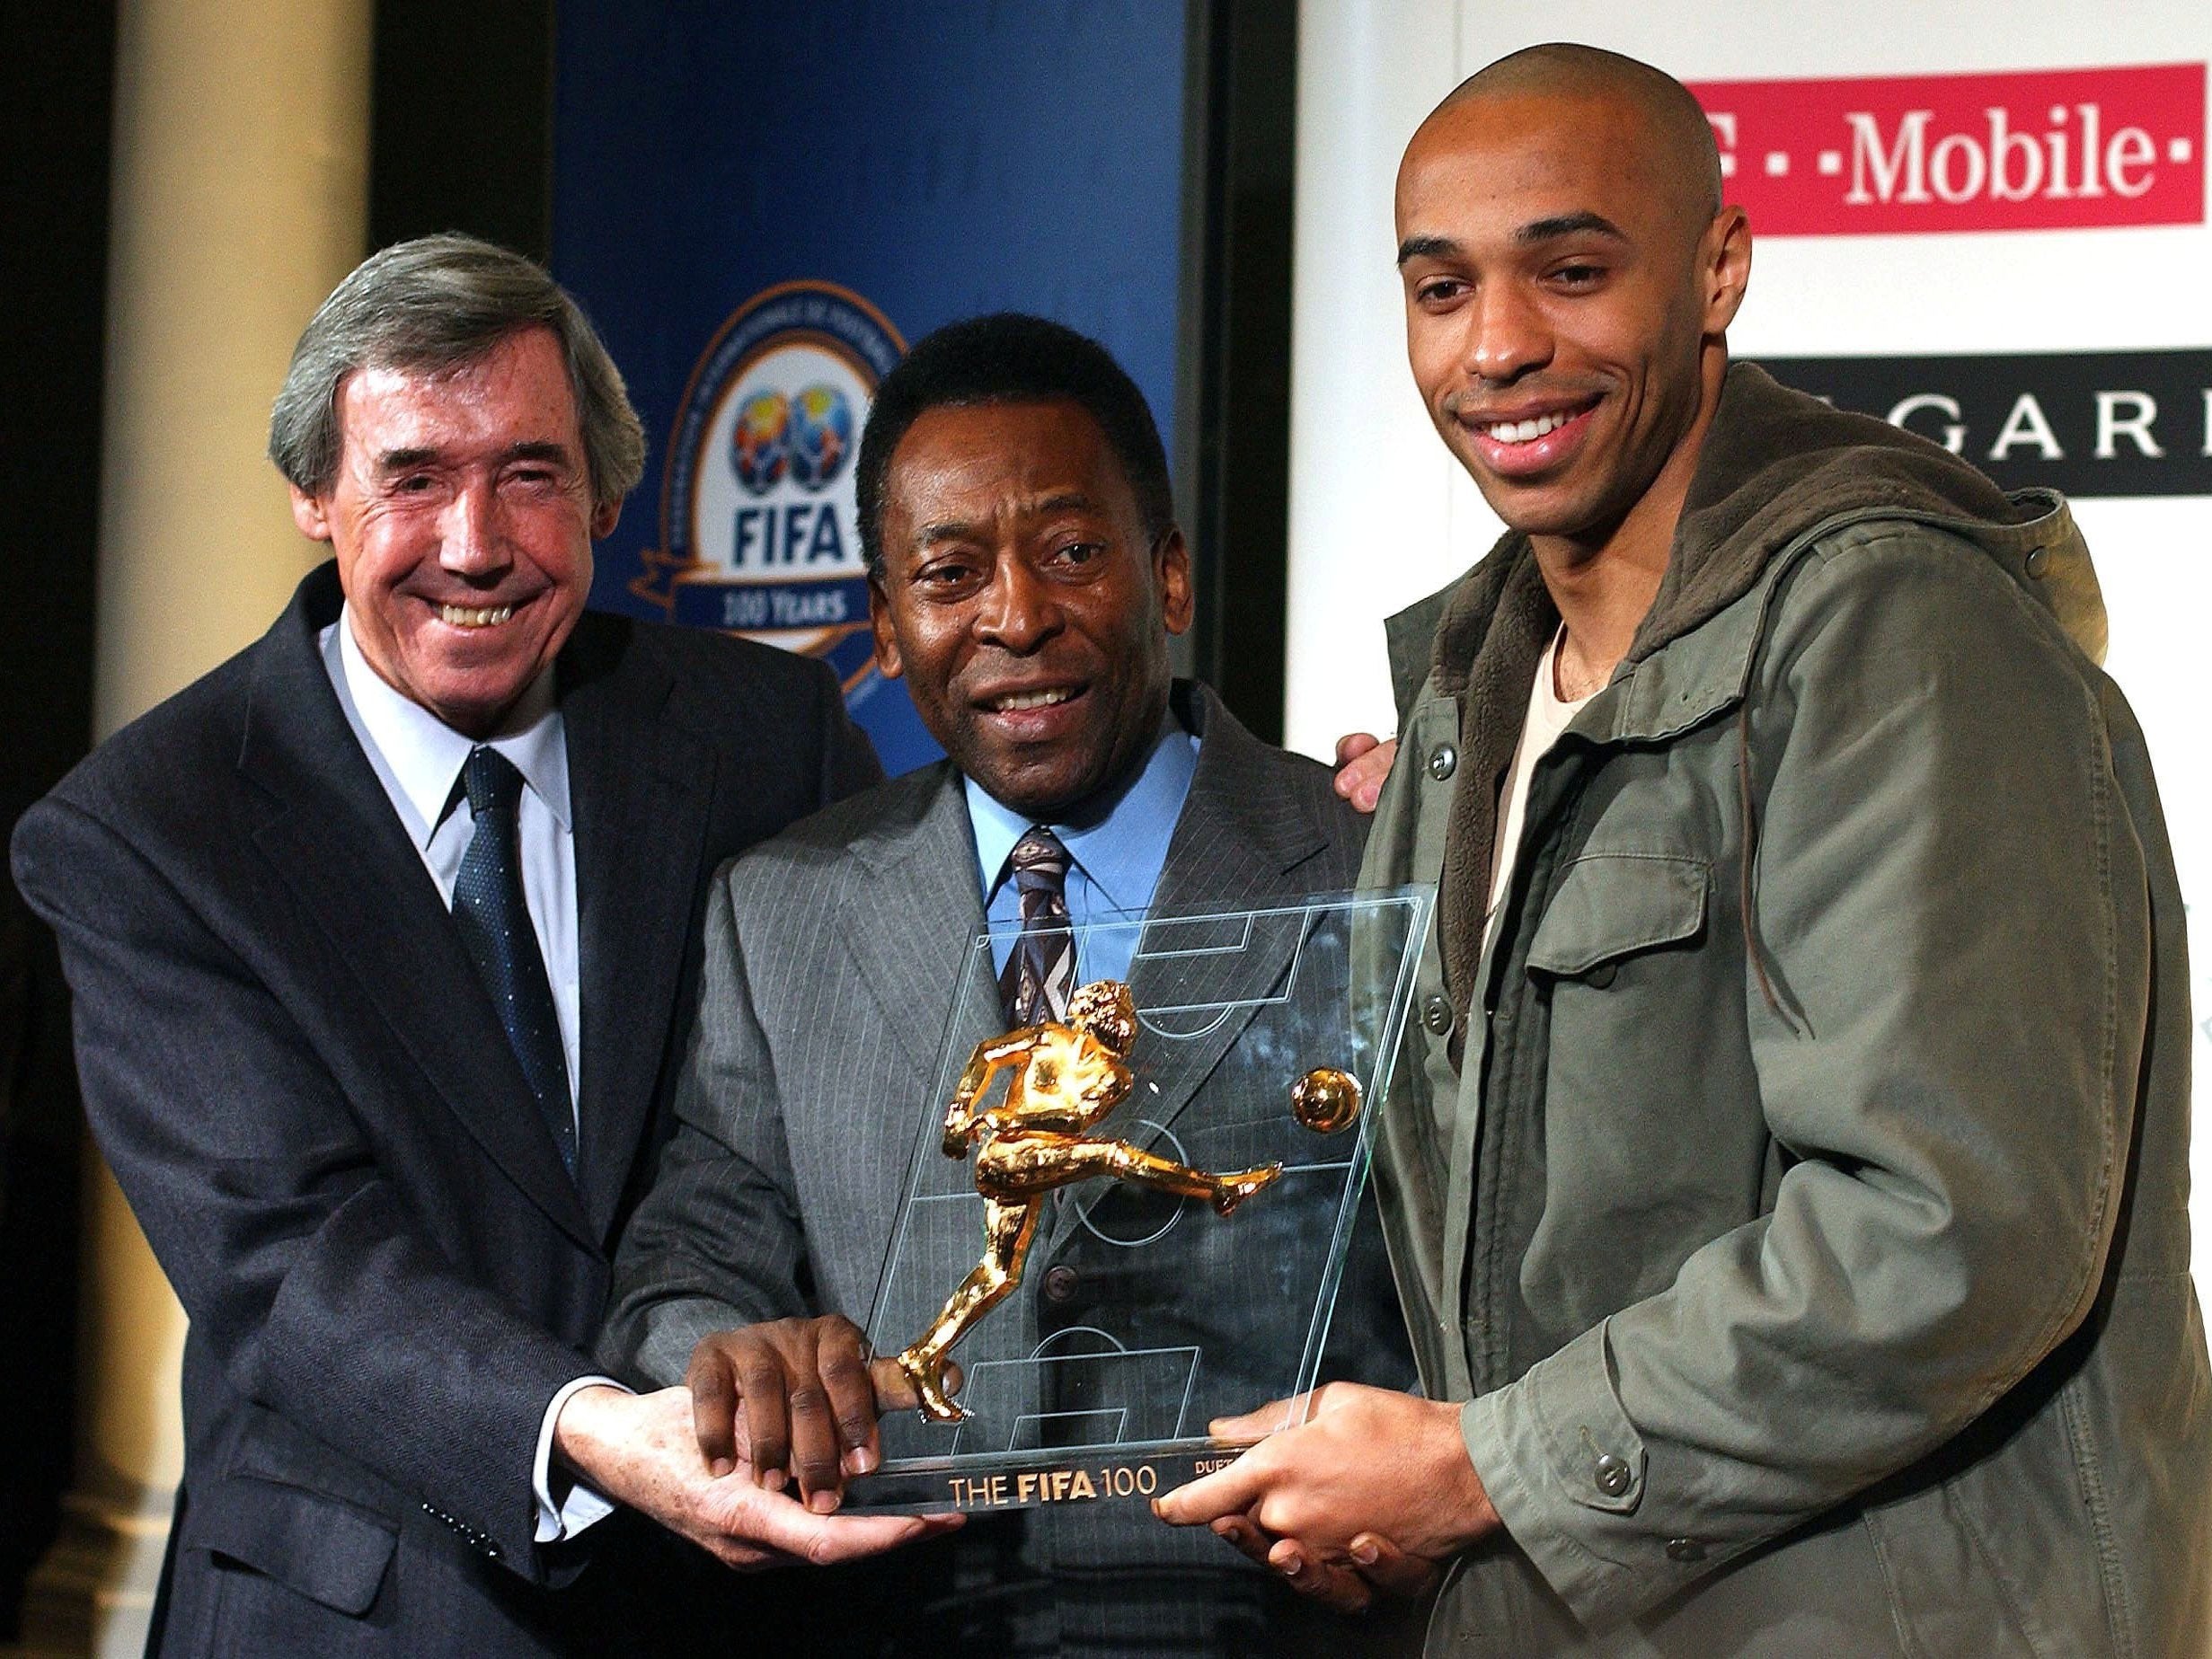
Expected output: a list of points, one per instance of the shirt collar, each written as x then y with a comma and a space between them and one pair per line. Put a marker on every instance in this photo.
425, 755
1122, 848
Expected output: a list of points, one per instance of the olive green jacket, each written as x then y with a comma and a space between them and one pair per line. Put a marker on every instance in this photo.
1797, 1189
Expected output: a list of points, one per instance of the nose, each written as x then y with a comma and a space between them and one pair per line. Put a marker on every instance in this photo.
1019, 612
470, 541
1507, 336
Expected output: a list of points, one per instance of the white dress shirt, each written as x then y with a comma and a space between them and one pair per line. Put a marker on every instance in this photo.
1548, 716
417, 758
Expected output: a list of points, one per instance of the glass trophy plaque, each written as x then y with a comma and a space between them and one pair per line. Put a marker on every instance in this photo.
1126, 1221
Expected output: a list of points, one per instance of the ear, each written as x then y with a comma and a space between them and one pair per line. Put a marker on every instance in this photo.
1171, 570
605, 516
1725, 266
310, 514
879, 624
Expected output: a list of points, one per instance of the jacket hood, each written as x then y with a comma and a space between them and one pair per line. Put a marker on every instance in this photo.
1777, 463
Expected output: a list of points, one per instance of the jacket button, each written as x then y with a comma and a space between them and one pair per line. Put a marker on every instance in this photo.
1601, 975
1684, 1549
1435, 1013
1443, 761
1061, 1283
1611, 1474
2037, 558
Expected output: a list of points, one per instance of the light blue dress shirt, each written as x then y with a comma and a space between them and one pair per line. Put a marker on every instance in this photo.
1114, 863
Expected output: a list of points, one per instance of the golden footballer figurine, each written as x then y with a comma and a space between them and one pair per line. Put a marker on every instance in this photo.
1064, 1078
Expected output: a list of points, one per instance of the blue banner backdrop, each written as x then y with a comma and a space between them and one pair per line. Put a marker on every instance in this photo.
761, 205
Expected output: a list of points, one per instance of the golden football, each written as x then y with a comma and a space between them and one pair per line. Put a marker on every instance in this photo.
1325, 1100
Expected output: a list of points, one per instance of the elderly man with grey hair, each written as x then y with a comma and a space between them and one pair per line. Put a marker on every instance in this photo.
384, 938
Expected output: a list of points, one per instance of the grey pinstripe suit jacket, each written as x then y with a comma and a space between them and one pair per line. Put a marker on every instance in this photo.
828, 951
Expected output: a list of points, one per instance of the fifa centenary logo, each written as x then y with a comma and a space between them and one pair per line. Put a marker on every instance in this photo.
759, 529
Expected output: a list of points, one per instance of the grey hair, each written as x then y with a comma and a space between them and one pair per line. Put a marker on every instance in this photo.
435, 304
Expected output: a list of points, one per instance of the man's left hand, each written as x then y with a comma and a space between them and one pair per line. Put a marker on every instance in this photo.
1368, 1465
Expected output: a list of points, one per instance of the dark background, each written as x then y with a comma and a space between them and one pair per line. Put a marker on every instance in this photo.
54, 93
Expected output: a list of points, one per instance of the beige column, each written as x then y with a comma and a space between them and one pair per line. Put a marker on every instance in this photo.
239, 199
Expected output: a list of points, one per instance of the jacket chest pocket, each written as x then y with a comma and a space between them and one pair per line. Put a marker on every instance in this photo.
1646, 1138
1611, 906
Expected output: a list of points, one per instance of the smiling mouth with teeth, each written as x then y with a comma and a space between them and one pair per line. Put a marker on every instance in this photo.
465, 616
1525, 431
1030, 699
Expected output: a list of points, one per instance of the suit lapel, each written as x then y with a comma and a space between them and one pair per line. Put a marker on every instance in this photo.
1234, 846
332, 837
909, 916
640, 788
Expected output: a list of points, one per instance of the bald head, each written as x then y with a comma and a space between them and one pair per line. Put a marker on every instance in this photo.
1678, 151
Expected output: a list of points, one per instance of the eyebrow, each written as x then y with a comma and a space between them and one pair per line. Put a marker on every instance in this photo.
1527, 236
1568, 224
942, 530
530, 449
1426, 248
540, 449
1066, 501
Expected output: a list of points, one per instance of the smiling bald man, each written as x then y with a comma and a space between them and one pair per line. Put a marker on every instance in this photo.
1787, 1174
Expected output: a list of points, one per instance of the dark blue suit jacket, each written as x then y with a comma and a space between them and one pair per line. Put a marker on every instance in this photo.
310, 1103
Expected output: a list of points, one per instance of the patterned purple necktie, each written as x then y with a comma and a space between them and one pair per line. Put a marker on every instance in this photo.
1040, 968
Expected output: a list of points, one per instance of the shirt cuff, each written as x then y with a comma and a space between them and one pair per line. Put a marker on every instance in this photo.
578, 1505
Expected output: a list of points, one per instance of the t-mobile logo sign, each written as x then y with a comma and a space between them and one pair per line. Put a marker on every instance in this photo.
2037, 150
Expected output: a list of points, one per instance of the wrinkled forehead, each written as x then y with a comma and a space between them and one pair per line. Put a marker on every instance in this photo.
518, 391
1001, 442
962, 468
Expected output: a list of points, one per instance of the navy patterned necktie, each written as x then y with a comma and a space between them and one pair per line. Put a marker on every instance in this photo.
495, 926
1040, 968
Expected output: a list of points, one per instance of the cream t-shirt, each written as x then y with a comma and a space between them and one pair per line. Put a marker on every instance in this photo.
1548, 715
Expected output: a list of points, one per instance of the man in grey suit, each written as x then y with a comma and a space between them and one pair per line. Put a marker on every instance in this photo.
1025, 576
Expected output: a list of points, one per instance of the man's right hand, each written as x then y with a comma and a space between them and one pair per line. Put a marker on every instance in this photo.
642, 1449
803, 1394
1363, 762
